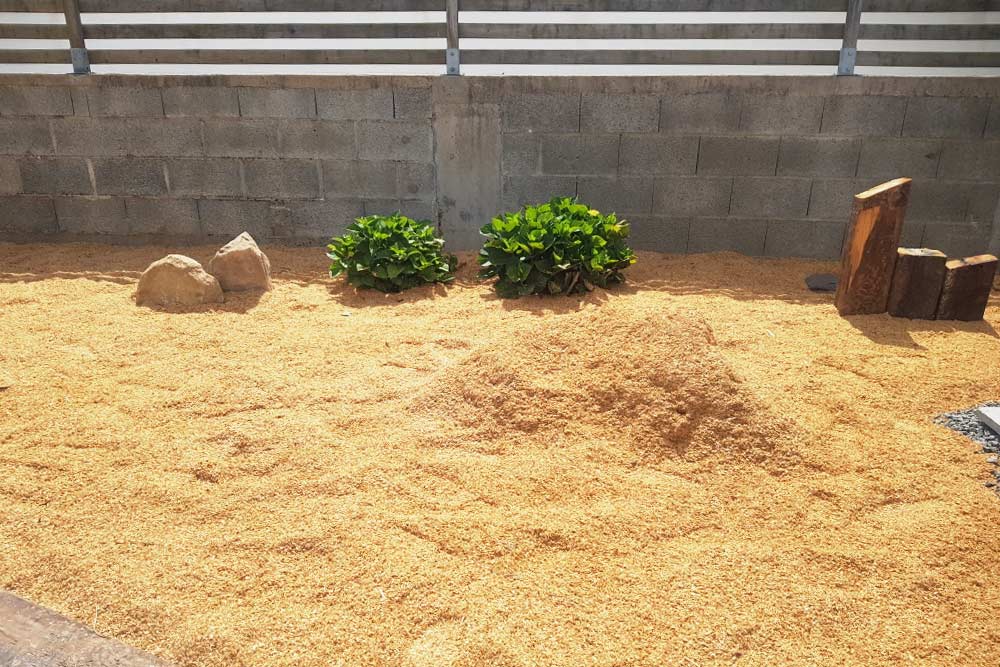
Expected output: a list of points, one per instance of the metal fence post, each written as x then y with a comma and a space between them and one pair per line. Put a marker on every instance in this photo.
849, 50
452, 54
74, 30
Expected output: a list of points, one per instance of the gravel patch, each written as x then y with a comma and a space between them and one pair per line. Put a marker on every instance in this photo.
967, 423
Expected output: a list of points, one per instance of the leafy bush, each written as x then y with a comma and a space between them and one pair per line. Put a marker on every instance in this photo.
560, 247
390, 254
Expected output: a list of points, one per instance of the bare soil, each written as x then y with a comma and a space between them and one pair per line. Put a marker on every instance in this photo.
705, 466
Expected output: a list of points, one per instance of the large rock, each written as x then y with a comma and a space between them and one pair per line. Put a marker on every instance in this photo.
177, 280
240, 265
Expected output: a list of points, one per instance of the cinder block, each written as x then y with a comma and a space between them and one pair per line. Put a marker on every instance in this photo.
770, 197
240, 138
412, 103
228, 217
818, 156
700, 113
384, 206
668, 235
738, 156
938, 201
200, 101
832, 199
366, 104
277, 102
281, 179
541, 112
357, 179
609, 194
318, 139
162, 217
420, 210
868, 115
894, 158
129, 176
692, 196
727, 234
619, 113
521, 153
10, 176
378, 140
162, 137
993, 120
25, 136
35, 101
785, 115
519, 191
205, 177
658, 154
417, 181
115, 101
946, 116
56, 175
81, 107
804, 238
977, 160
91, 137
323, 219
28, 215
580, 153
92, 215
913, 234
983, 201
960, 240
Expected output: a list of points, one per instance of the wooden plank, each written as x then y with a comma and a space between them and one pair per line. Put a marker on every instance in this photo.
268, 56
34, 56
928, 59
31, 31
869, 256
939, 31
264, 31
652, 31
646, 57
37, 637
966, 291
51, 6
261, 5
916, 283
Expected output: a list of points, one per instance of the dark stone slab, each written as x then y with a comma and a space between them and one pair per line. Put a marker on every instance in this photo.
822, 282
32, 636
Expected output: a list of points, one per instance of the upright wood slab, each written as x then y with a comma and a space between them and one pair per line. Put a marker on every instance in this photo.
869, 256
967, 284
916, 283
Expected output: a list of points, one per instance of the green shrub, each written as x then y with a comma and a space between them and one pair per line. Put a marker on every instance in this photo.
557, 248
390, 254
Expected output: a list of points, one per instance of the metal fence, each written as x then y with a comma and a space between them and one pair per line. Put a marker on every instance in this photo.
907, 33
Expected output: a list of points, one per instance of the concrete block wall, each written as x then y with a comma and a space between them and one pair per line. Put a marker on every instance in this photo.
759, 165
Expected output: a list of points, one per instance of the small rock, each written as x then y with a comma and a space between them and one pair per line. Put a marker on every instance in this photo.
822, 282
990, 484
992, 459
177, 280
240, 265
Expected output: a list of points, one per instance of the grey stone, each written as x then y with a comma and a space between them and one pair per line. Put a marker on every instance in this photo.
770, 197
521, 153
360, 179
91, 137
542, 112
912, 235
869, 115
28, 215
738, 156
812, 239
92, 215
519, 191
412, 103
241, 138
422, 210
619, 113
786, 114
822, 282
378, 140
318, 139
162, 217
277, 102
56, 175
162, 137
129, 176
957, 240
363, 104
983, 201
832, 199
10, 176
818, 156
946, 116
417, 181
205, 177
200, 101
580, 154
692, 196
281, 179
658, 154
323, 219
700, 113
25, 136
938, 201
35, 101
229, 217
728, 234
115, 101
893, 158
977, 160
624, 196
993, 121
659, 234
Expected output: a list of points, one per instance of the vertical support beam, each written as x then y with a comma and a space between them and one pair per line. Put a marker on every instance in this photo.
74, 30
452, 54
869, 258
849, 49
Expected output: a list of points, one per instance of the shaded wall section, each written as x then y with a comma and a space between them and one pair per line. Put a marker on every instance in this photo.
760, 165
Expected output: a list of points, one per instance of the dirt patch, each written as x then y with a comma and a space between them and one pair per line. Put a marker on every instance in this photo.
705, 466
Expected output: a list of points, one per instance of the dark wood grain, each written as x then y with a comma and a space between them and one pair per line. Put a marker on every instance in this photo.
966, 291
916, 283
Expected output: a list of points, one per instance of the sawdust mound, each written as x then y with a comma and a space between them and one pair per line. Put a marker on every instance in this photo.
652, 381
